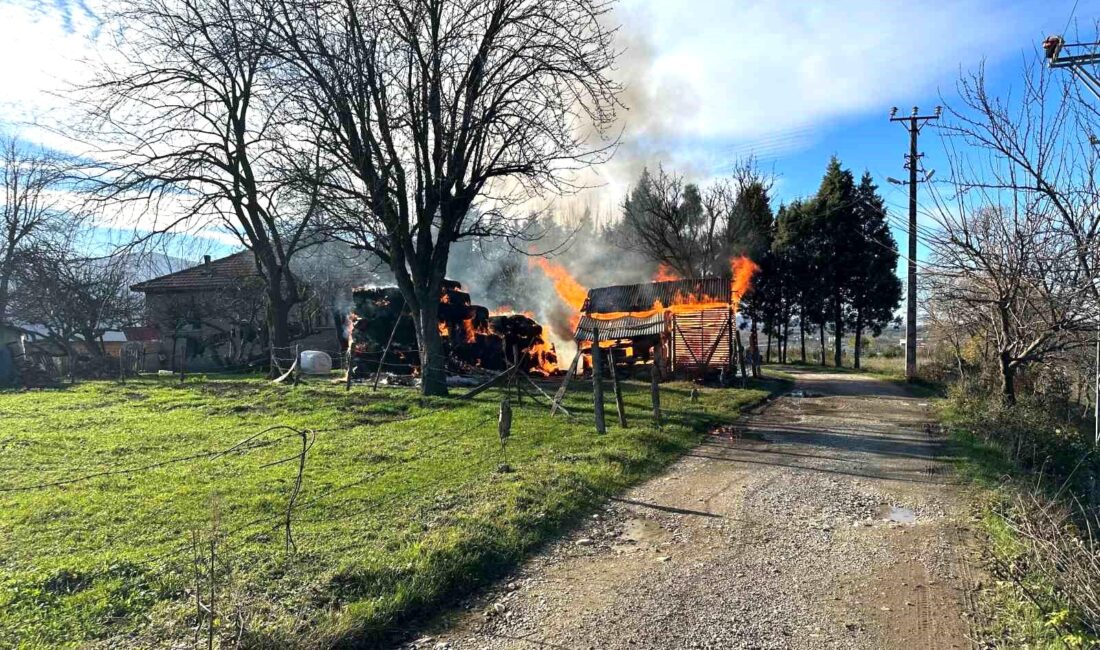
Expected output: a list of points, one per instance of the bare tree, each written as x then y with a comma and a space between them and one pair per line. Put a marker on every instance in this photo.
426, 108
1019, 247
673, 223
191, 128
31, 180
695, 231
77, 298
1013, 278
1038, 143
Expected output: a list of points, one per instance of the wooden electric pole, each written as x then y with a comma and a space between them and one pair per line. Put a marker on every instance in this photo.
1079, 59
913, 123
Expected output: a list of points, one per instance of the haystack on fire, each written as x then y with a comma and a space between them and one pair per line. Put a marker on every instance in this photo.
687, 327
382, 334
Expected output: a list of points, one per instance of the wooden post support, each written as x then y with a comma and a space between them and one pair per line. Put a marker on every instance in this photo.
740, 356
732, 365
659, 359
597, 382
619, 406
655, 392
504, 426
386, 350
560, 395
514, 381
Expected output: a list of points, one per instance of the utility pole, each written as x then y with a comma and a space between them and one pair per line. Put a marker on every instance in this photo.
1079, 58
913, 123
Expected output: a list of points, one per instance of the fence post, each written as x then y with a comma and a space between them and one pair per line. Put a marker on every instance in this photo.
297, 363
514, 381
504, 428
619, 406
655, 392
597, 381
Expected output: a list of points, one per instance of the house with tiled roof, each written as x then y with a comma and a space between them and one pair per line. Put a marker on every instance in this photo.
213, 316
211, 275
209, 316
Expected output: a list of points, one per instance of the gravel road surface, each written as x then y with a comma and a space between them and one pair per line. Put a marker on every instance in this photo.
826, 520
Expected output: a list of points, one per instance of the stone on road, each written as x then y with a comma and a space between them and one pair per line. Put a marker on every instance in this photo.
829, 522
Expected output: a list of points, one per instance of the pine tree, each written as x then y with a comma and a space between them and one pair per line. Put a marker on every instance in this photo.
750, 231
875, 290
798, 243
837, 222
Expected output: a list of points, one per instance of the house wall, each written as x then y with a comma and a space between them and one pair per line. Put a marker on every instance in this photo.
224, 329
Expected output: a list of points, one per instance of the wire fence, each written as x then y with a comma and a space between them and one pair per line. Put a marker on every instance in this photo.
305, 511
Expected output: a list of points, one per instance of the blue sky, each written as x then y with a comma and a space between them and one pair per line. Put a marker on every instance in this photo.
791, 81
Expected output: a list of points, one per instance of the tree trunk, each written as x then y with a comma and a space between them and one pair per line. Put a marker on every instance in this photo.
1008, 380
821, 336
754, 350
278, 316
768, 327
5, 288
433, 363
802, 333
740, 351
859, 337
838, 341
786, 337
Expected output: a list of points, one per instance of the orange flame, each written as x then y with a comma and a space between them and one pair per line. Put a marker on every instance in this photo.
665, 273
544, 356
741, 271
569, 290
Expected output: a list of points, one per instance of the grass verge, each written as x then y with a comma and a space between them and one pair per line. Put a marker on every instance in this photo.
403, 506
1022, 607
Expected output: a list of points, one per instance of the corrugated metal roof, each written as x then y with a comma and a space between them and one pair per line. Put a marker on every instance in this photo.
642, 297
620, 328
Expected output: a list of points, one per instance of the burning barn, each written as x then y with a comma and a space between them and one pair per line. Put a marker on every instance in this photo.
382, 336
685, 326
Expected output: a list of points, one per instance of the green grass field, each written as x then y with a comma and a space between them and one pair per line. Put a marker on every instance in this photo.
403, 506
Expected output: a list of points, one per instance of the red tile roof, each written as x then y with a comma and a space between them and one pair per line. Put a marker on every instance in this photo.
217, 274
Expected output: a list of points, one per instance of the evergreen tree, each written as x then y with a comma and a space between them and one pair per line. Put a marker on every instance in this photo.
875, 290
800, 246
750, 232
837, 222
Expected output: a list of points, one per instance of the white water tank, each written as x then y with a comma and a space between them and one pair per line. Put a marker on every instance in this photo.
315, 362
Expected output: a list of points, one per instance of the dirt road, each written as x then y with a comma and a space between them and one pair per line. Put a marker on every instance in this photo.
828, 522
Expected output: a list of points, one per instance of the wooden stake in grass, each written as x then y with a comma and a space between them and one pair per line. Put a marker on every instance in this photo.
619, 406
597, 381
504, 429
560, 395
389, 342
655, 393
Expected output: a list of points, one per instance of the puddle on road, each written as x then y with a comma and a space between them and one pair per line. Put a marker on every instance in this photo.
643, 531
799, 392
899, 515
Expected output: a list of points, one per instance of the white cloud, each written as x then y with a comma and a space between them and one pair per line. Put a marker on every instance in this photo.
762, 67
42, 46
